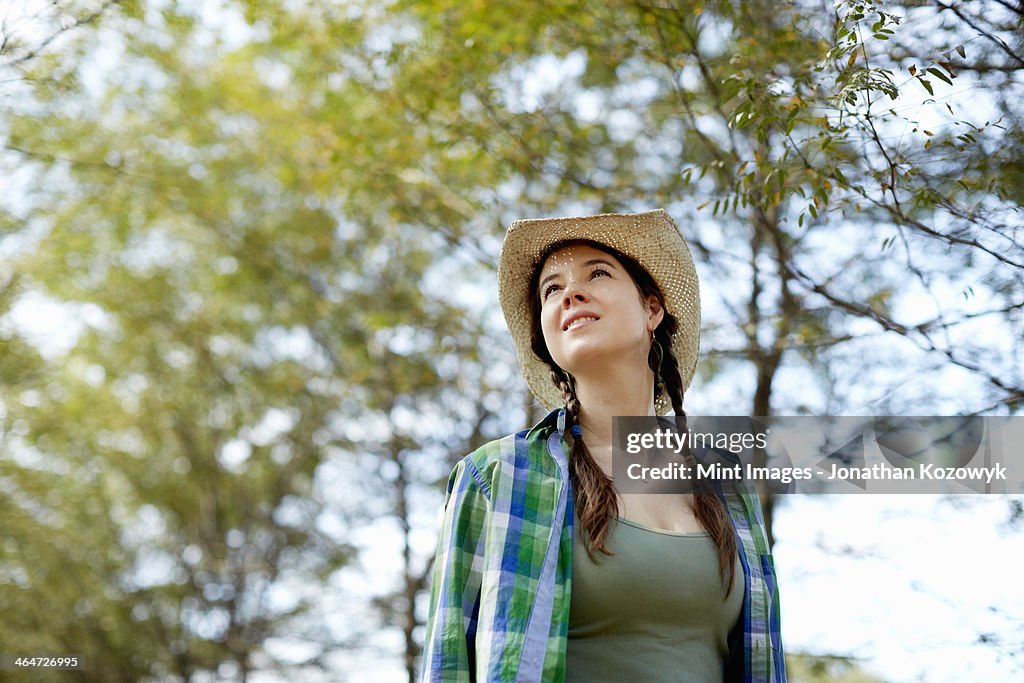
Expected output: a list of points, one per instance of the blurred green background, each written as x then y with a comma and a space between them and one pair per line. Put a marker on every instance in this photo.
248, 312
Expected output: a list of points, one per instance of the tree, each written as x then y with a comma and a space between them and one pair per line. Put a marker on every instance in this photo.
273, 221
211, 212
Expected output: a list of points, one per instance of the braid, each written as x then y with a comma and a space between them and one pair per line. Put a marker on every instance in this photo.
708, 509
572, 403
596, 502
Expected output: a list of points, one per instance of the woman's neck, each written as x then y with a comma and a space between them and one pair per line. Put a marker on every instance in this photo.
613, 395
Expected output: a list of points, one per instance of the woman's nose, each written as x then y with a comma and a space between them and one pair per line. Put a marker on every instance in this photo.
573, 293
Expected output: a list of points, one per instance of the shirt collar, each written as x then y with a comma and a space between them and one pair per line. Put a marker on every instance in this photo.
553, 421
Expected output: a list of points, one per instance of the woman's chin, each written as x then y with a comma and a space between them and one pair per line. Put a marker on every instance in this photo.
586, 359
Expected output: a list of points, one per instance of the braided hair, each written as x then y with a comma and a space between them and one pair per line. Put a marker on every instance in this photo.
596, 501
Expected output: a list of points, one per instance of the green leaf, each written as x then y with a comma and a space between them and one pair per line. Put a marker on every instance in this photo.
938, 74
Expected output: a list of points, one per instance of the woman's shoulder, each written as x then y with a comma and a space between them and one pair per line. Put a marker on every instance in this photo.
523, 450
492, 454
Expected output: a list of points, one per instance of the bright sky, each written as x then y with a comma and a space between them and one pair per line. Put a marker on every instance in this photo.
905, 584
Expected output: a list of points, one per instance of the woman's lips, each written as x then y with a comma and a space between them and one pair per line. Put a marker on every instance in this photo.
577, 320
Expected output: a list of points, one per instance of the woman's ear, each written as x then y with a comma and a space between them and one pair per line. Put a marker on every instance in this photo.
655, 313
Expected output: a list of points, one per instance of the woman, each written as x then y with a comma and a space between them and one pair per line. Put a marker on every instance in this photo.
544, 571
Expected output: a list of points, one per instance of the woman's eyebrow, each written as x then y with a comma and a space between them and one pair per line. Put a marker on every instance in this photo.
586, 264
595, 261
549, 277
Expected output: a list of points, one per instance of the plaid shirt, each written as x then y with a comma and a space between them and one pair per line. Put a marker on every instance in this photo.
499, 601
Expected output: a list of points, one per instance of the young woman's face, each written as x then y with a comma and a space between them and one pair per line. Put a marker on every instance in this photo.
591, 311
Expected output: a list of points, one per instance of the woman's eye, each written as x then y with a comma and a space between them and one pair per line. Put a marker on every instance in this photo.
548, 290
599, 271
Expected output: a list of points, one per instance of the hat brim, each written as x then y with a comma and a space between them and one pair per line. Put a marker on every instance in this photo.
651, 238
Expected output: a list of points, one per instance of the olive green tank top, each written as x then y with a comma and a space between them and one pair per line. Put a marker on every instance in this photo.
654, 611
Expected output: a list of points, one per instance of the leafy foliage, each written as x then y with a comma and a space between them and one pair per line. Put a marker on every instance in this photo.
271, 230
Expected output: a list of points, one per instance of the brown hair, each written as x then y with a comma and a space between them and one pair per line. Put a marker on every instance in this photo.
596, 502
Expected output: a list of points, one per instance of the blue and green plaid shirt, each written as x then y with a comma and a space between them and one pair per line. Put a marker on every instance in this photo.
499, 600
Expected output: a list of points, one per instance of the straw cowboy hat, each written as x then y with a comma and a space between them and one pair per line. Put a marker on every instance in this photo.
651, 238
